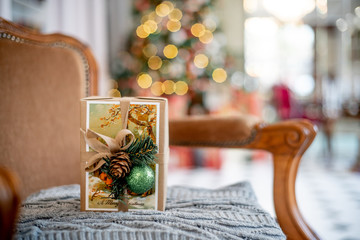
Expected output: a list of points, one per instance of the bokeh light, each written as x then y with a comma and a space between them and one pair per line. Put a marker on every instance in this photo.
201, 61
144, 80
170, 51
206, 37
157, 89
173, 25
219, 75
141, 32
181, 88
198, 29
175, 14
150, 50
168, 87
162, 9
151, 26
154, 62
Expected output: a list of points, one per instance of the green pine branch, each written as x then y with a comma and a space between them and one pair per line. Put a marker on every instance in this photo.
142, 151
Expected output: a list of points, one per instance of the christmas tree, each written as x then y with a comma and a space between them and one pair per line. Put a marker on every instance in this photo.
175, 49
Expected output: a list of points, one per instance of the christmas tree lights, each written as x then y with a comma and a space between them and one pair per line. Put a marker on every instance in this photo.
170, 47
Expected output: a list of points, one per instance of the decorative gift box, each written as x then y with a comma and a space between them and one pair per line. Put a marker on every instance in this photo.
124, 153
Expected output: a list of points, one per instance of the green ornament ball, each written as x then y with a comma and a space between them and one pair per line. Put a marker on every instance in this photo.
140, 179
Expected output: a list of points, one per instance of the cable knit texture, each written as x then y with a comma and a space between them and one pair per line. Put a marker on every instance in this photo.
230, 212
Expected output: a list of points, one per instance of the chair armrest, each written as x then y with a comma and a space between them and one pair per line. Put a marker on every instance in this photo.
286, 140
9, 202
214, 131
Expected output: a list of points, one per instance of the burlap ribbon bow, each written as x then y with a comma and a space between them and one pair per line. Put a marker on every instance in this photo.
114, 145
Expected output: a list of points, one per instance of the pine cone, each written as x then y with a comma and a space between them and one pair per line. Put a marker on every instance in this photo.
120, 165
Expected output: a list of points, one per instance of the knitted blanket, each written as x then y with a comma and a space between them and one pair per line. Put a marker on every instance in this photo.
230, 212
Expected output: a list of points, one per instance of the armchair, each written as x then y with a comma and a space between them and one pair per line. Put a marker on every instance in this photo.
44, 76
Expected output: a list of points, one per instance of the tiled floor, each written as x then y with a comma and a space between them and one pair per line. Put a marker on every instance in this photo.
328, 193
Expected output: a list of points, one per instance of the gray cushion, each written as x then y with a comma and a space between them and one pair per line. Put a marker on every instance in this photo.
230, 212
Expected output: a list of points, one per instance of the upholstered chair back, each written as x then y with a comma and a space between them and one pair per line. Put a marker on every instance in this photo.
42, 78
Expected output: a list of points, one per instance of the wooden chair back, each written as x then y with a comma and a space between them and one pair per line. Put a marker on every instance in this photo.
42, 78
